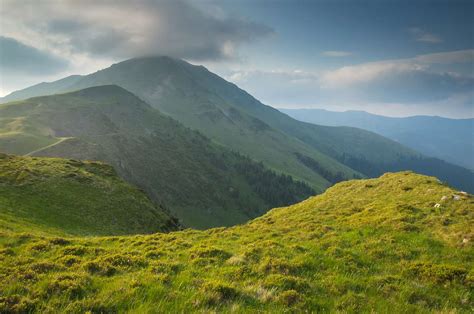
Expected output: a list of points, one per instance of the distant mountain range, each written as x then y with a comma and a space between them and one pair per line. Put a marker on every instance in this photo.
140, 116
448, 139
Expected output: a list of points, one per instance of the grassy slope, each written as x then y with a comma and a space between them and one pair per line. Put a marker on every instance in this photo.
61, 196
202, 183
362, 246
361, 150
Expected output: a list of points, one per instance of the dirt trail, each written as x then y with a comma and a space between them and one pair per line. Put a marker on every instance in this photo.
61, 139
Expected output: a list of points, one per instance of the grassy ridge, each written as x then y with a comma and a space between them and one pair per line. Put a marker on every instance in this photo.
202, 183
367, 245
59, 196
184, 92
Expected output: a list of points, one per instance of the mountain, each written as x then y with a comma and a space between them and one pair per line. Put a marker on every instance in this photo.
400, 243
319, 155
200, 182
64, 196
42, 89
447, 139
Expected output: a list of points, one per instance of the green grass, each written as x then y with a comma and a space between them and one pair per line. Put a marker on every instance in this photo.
375, 245
60, 196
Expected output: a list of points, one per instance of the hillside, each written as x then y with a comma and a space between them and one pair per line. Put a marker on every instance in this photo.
447, 139
378, 245
200, 182
71, 197
319, 155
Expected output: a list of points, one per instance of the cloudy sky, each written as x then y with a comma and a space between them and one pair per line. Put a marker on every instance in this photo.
396, 58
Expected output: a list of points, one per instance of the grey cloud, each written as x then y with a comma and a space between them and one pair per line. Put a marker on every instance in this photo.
123, 29
18, 58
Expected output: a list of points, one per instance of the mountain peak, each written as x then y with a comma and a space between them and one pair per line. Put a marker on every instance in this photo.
101, 90
152, 60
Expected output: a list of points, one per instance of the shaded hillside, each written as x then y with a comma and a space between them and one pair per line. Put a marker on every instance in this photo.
378, 245
361, 150
200, 182
223, 112
447, 139
63, 196
179, 90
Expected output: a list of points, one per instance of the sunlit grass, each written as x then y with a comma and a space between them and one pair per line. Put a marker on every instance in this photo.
367, 245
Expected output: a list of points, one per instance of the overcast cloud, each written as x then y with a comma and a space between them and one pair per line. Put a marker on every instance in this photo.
417, 85
124, 29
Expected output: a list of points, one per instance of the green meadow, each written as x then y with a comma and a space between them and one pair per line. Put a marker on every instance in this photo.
376, 245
